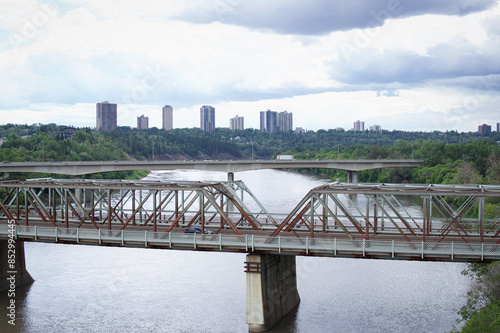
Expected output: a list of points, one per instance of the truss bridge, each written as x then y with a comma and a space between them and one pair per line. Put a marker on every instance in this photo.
395, 221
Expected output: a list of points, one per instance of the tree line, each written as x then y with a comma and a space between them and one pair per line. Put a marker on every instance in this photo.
448, 157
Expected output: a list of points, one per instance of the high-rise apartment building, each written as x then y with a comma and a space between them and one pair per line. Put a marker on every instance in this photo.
207, 118
237, 123
359, 125
106, 116
376, 128
498, 127
285, 121
142, 123
268, 121
168, 117
484, 129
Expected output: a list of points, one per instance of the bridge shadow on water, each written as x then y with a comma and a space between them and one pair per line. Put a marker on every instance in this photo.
288, 324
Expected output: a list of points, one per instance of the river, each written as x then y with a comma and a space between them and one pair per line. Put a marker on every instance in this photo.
98, 289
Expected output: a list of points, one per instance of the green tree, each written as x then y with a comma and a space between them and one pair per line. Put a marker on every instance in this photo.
482, 311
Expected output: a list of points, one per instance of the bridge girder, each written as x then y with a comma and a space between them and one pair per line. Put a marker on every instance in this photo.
89, 167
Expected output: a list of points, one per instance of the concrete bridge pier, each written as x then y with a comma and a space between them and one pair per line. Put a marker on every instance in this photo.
271, 289
12, 265
352, 177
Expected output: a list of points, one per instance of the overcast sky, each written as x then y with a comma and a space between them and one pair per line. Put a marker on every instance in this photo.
402, 64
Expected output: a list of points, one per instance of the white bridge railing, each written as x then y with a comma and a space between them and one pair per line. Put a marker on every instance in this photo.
332, 247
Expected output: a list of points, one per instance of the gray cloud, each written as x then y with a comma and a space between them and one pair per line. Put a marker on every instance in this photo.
456, 62
323, 16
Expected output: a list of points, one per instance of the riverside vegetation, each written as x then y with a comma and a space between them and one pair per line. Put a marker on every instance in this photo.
448, 158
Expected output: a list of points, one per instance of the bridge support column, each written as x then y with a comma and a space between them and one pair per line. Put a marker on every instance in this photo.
271, 289
352, 177
230, 176
12, 265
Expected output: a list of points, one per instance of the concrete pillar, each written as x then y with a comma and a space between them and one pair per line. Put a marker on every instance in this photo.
230, 176
271, 289
12, 265
88, 199
352, 177
84, 196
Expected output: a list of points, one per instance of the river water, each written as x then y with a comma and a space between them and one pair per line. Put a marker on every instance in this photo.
98, 289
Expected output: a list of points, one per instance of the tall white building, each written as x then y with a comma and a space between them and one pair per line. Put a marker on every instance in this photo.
168, 117
376, 128
285, 121
359, 126
237, 123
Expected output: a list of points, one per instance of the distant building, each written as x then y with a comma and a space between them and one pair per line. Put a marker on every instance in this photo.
142, 123
359, 126
237, 123
498, 127
106, 116
285, 121
168, 117
484, 130
300, 130
376, 128
207, 118
268, 121
67, 133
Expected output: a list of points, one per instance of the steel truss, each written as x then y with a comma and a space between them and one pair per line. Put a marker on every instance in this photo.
445, 212
119, 205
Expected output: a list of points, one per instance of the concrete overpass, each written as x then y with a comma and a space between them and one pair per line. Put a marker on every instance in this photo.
229, 166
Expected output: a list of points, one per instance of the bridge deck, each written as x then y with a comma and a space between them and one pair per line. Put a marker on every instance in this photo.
89, 167
330, 247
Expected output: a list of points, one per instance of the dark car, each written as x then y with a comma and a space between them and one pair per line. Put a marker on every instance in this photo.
197, 230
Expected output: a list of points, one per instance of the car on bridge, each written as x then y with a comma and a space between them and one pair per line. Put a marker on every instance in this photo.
197, 230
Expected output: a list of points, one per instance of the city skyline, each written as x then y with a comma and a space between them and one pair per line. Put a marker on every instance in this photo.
268, 119
402, 64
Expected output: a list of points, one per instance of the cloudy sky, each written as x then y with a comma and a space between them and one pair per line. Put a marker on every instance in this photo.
402, 64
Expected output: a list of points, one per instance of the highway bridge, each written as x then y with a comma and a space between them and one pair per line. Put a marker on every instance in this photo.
229, 166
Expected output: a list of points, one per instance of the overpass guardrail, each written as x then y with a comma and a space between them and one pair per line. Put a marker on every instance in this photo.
329, 247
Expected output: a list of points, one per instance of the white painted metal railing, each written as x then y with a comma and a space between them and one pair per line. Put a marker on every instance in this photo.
252, 243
